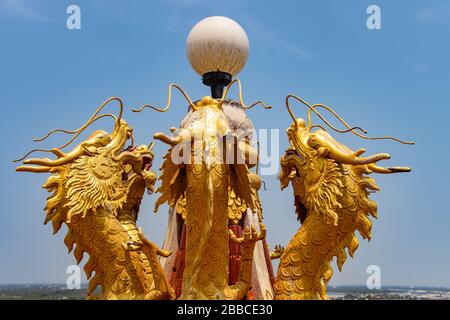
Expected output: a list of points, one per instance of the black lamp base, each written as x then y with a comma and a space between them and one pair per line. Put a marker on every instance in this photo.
217, 80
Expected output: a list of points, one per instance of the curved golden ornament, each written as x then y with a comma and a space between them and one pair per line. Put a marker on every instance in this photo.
236, 207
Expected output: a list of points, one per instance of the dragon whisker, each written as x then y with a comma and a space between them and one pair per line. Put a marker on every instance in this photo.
169, 100
265, 106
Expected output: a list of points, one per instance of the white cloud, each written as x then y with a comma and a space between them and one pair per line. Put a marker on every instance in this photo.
437, 14
272, 38
190, 3
418, 66
19, 8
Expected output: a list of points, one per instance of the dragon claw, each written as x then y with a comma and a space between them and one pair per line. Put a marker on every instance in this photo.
131, 245
277, 252
251, 235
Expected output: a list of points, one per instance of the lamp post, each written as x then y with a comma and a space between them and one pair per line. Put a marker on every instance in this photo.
217, 48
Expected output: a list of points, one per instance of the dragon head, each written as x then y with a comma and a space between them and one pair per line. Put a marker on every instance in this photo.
316, 164
97, 172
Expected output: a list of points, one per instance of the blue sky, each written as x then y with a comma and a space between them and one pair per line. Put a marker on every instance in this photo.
391, 81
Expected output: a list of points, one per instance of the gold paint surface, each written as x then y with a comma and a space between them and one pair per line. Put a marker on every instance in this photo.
97, 189
331, 188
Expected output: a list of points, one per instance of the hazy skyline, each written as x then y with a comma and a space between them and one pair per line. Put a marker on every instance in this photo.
392, 81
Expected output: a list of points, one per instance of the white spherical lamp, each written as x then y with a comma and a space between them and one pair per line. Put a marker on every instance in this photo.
217, 48
217, 44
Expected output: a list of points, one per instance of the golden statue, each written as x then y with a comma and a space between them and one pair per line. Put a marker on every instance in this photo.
331, 197
98, 187
215, 246
204, 178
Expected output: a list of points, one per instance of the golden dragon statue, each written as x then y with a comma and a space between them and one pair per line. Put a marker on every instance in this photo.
203, 162
331, 190
97, 189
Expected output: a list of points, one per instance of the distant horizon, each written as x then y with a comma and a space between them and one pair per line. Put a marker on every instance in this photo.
85, 284
393, 81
